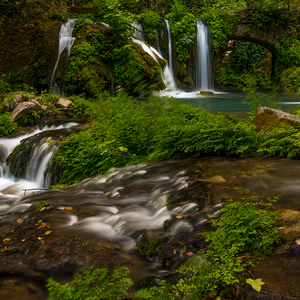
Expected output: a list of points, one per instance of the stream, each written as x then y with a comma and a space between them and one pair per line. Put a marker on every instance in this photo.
99, 220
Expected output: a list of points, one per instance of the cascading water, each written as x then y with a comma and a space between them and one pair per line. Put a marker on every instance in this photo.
138, 30
168, 73
66, 41
30, 163
204, 76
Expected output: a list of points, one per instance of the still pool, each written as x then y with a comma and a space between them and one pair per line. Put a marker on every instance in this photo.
233, 102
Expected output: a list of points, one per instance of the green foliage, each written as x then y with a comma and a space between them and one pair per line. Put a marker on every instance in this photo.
288, 52
91, 284
245, 226
150, 248
183, 27
4, 86
7, 126
79, 24
221, 24
282, 141
126, 132
290, 80
80, 107
150, 21
248, 57
115, 13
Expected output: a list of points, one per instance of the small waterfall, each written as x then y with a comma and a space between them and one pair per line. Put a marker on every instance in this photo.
66, 41
138, 30
204, 76
168, 73
31, 160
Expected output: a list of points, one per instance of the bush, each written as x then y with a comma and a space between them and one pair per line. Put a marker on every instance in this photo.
7, 126
126, 132
91, 284
150, 21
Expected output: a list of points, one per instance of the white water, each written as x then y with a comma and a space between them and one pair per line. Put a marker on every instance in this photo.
204, 77
66, 41
168, 74
138, 30
38, 160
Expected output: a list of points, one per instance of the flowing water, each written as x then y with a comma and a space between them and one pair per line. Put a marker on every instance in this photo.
204, 75
38, 148
66, 42
138, 30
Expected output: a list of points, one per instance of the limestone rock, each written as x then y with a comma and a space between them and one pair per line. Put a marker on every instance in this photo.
25, 108
268, 118
63, 103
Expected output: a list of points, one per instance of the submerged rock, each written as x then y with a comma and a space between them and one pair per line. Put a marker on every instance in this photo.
268, 118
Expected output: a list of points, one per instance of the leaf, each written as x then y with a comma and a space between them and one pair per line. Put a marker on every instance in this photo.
19, 220
174, 251
40, 238
256, 284
6, 240
48, 232
179, 217
4, 249
298, 242
190, 254
42, 225
68, 208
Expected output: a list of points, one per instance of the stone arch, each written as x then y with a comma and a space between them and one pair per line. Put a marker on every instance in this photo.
266, 44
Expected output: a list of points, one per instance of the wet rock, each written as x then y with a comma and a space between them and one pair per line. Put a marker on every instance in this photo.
206, 93
24, 109
268, 118
63, 103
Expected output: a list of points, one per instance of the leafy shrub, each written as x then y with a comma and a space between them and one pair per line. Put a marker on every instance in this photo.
91, 284
80, 107
220, 24
150, 21
126, 131
183, 27
7, 126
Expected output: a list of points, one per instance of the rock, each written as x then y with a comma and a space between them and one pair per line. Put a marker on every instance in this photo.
63, 103
290, 217
268, 118
24, 109
206, 93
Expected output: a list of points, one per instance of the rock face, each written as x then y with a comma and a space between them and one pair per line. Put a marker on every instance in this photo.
268, 118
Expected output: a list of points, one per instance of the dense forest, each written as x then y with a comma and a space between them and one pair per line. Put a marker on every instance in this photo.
114, 83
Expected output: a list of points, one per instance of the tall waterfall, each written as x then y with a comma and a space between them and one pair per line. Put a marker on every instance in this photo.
169, 69
66, 41
204, 75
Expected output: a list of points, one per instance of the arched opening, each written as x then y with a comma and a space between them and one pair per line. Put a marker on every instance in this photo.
242, 60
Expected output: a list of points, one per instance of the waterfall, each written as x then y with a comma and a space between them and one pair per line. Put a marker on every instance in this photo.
66, 41
168, 73
31, 160
138, 30
204, 76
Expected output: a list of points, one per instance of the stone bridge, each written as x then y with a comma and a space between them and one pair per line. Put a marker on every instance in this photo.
267, 36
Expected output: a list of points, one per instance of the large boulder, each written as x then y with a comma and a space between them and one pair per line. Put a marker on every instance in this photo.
268, 118
25, 108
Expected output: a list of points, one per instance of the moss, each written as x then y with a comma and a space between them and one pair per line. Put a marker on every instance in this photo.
151, 248
42, 204
188, 79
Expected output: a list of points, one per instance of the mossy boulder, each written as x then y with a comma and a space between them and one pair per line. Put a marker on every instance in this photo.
268, 118
89, 68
